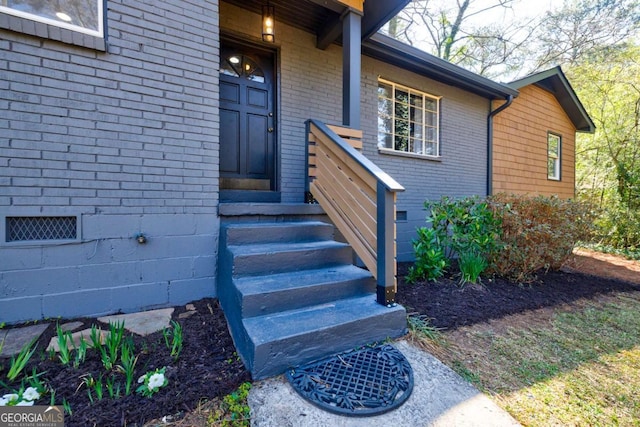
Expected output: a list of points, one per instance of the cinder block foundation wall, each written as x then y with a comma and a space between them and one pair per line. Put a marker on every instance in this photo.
124, 140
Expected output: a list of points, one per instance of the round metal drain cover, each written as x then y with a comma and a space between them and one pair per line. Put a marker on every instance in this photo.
364, 382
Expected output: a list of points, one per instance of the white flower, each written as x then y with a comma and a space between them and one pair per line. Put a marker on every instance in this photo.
25, 403
141, 379
156, 381
10, 399
3, 401
30, 394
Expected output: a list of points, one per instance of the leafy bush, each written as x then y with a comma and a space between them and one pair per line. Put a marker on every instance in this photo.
619, 228
431, 262
537, 233
466, 228
465, 225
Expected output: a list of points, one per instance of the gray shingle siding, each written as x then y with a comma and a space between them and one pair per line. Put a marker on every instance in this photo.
125, 139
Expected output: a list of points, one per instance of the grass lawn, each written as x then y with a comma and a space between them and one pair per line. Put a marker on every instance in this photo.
568, 365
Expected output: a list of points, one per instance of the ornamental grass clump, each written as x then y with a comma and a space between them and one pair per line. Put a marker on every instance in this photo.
471, 265
64, 342
128, 362
173, 339
19, 362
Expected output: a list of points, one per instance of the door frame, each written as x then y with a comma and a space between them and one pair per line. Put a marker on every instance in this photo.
274, 195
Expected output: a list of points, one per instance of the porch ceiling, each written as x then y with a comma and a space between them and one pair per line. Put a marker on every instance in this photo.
322, 17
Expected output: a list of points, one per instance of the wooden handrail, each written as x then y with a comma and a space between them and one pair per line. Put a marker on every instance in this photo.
359, 197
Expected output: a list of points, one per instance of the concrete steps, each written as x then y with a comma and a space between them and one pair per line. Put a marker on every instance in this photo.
295, 337
291, 294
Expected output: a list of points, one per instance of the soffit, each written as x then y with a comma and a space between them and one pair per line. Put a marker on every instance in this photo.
317, 16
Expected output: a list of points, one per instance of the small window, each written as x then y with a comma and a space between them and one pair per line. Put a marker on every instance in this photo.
408, 120
554, 148
238, 65
85, 16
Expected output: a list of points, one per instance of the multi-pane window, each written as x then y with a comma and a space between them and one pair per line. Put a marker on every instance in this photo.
85, 16
554, 143
407, 120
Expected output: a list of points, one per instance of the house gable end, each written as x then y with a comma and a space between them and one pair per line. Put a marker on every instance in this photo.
555, 82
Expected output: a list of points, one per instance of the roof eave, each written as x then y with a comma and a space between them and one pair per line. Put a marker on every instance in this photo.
395, 52
376, 14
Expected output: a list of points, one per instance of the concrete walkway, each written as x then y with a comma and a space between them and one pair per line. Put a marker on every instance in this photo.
440, 397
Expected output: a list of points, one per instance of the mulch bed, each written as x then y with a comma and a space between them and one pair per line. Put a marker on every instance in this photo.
207, 367
449, 305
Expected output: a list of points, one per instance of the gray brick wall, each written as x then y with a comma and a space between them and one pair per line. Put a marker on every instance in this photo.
311, 87
127, 140
462, 170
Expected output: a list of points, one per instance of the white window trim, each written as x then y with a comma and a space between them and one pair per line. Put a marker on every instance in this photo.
30, 16
558, 159
386, 150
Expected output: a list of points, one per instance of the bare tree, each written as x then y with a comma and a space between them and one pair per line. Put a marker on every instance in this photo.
448, 30
583, 26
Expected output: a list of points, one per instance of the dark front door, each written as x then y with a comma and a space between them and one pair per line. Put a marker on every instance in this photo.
247, 125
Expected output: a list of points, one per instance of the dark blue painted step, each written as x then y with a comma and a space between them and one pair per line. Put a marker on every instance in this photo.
260, 295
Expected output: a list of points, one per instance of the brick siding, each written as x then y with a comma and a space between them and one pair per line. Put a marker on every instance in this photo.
127, 140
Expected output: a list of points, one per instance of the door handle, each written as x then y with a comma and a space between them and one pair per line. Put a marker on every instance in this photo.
270, 130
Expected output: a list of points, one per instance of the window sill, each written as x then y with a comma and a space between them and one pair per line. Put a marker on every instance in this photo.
390, 152
553, 179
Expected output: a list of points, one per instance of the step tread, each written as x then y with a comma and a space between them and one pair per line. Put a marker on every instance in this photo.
268, 248
278, 224
291, 323
253, 285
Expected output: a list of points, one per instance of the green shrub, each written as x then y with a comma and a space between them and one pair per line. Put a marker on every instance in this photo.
619, 228
465, 228
537, 233
465, 225
431, 262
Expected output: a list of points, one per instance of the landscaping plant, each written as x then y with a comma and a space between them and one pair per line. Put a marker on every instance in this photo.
19, 362
471, 265
537, 233
128, 363
465, 228
151, 382
80, 353
431, 261
64, 342
173, 339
